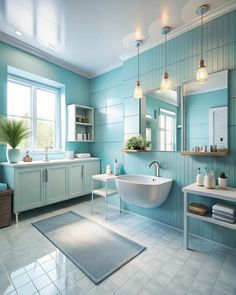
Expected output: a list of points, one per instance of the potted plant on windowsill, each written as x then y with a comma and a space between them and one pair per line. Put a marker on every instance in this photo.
136, 144
222, 181
12, 133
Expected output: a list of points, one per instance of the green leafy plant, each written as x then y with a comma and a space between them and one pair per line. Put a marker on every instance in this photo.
222, 175
136, 143
12, 132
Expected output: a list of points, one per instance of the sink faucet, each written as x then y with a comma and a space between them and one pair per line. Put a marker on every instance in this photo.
46, 152
157, 166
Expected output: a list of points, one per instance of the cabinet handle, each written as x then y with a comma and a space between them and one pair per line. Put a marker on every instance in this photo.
82, 171
46, 174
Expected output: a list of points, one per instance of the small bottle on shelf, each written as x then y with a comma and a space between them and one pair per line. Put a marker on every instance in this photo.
200, 178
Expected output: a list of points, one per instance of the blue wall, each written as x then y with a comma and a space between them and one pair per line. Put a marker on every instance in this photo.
197, 115
77, 88
115, 90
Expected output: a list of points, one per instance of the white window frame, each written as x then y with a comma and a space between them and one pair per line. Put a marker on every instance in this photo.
33, 111
167, 113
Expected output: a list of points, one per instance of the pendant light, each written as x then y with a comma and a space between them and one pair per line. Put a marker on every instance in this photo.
138, 93
165, 83
202, 75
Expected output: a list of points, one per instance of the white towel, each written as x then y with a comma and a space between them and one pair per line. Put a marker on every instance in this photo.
228, 209
225, 215
223, 219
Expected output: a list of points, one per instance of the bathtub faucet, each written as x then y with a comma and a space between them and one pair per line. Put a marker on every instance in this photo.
157, 166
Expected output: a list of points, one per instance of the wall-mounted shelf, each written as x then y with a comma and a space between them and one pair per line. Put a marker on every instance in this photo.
80, 123
211, 154
134, 151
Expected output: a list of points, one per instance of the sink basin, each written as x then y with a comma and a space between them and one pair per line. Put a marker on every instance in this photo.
143, 190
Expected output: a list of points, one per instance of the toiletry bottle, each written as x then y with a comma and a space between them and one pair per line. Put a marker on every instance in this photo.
108, 170
116, 167
27, 157
200, 178
206, 179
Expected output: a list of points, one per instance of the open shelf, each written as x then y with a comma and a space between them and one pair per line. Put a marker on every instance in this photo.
80, 123
211, 154
103, 192
134, 151
209, 219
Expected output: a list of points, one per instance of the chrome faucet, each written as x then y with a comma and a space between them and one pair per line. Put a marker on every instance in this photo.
157, 166
46, 153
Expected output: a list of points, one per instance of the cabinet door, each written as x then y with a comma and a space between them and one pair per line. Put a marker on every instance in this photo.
76, 180
91, 168
29, 189
56, 183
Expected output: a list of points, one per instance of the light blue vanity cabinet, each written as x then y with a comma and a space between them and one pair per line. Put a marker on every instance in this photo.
76, 180
56, 183
28, 185
39, 184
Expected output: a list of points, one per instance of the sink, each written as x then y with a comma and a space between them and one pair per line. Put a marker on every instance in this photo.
143, 190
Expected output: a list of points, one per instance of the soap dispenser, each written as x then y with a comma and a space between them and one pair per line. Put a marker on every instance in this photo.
209, 179
200, 178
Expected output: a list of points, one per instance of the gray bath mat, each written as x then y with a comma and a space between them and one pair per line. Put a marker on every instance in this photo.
96, 250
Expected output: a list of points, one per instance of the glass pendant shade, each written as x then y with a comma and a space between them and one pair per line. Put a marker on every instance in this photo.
165, 82
138, 93
201, 75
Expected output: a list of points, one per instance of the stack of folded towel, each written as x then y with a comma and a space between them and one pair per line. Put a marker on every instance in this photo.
222, 212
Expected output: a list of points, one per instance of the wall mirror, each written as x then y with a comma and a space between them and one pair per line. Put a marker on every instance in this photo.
205, 114
161, 119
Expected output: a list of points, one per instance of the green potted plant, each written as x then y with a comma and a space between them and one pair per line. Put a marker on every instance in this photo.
136, 143
12, 133
222, 181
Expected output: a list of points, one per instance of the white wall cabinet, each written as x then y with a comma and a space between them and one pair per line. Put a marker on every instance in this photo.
80, 123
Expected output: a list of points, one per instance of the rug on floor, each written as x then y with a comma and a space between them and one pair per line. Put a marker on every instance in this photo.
96, 250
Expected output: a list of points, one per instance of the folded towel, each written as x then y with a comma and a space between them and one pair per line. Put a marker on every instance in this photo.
228, 209
223, 219
3, 187
221, 214
215, 214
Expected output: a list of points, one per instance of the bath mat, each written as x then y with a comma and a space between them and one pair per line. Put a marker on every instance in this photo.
97, 251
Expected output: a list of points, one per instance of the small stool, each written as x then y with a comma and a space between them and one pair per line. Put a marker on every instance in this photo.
5, 207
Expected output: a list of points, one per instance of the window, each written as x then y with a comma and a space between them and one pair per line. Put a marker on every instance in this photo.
167, 130
39, 106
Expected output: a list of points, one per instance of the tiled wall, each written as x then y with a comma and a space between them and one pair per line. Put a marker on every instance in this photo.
117, 116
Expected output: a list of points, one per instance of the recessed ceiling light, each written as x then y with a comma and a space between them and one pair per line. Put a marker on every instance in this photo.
52, 47
18, 33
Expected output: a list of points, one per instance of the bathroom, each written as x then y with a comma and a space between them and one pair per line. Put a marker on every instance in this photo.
165, 267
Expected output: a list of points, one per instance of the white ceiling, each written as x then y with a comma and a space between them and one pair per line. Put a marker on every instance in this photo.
93, 36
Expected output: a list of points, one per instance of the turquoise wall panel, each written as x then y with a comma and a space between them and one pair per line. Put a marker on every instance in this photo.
183, 58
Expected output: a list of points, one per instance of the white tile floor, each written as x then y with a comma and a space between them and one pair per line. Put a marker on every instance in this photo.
30, 264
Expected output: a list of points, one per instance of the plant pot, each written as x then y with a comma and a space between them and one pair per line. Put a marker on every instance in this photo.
222, 183
13, 155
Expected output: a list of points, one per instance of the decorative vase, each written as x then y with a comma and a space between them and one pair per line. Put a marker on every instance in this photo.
222, 183
13, 155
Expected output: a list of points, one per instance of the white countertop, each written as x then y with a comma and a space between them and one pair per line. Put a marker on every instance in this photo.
50, 162
229, 194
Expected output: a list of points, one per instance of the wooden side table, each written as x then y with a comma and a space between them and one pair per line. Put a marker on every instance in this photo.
5, 207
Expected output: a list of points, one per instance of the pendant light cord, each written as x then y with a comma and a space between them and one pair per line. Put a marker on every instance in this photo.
201, 36
165, 52
138, 60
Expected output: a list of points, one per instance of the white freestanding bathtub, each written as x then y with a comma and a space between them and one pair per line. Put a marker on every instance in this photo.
143, 190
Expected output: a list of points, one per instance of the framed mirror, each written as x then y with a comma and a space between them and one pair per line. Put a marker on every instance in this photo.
205, 115
161, 119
